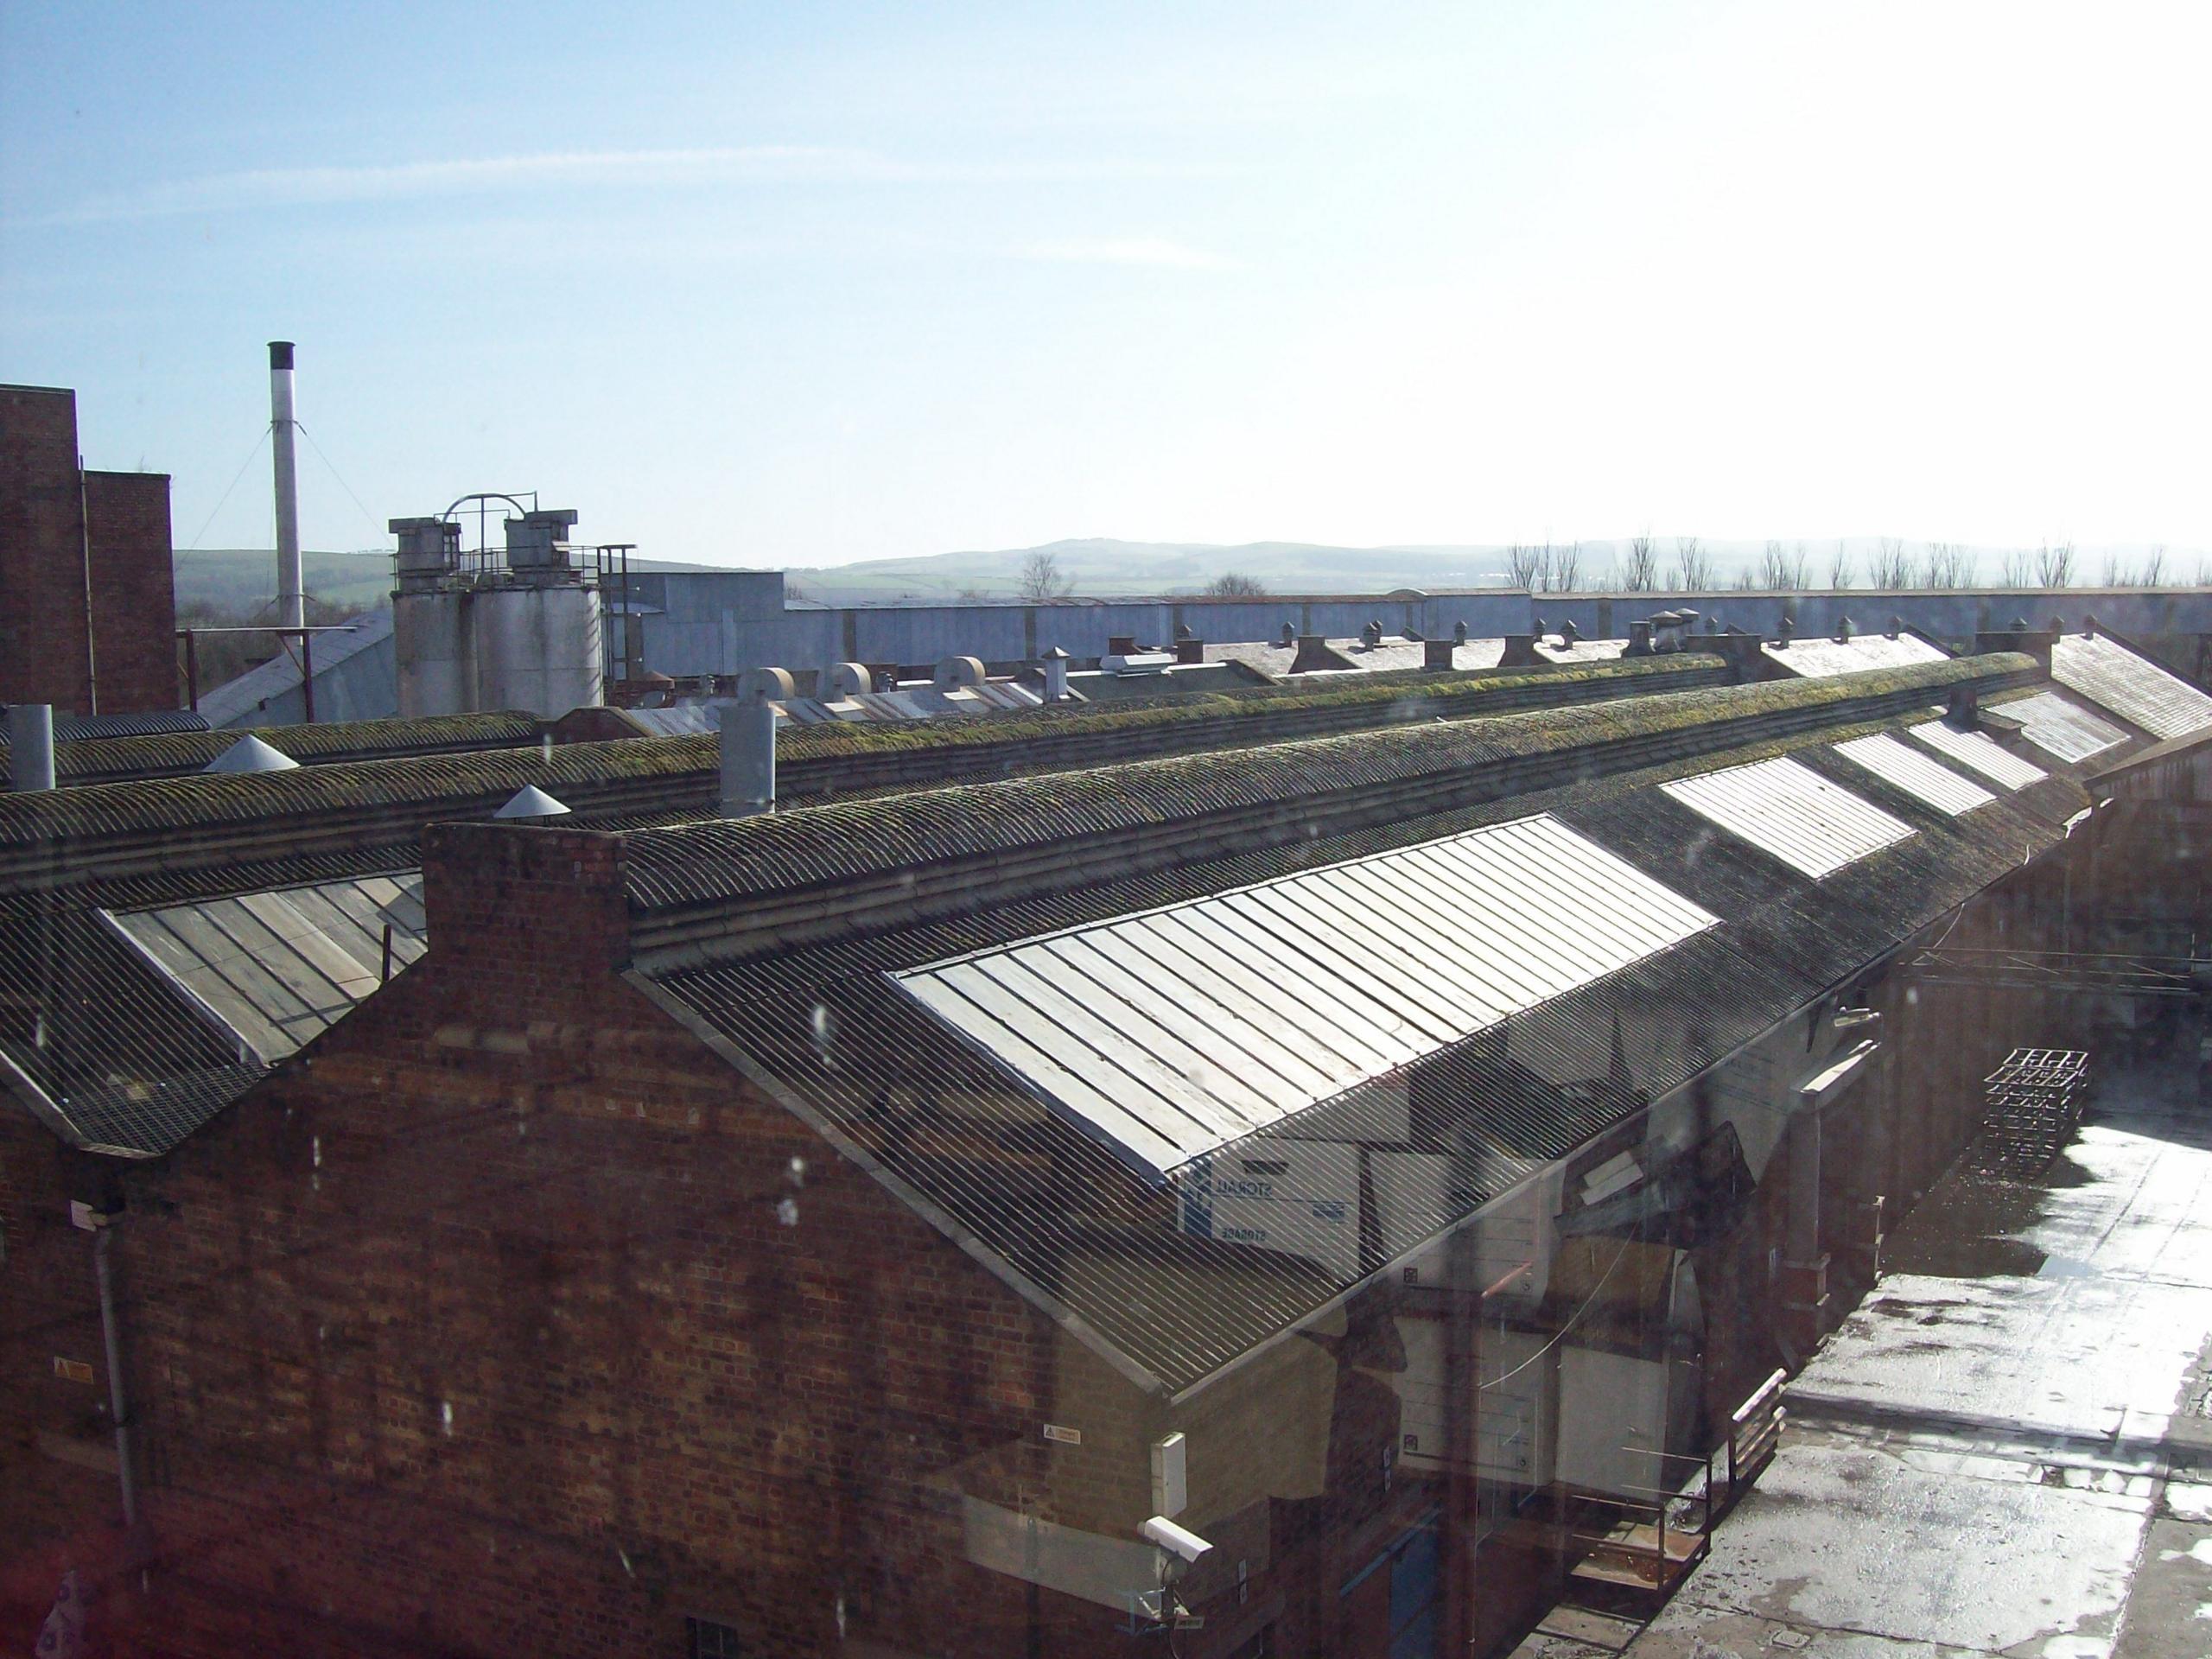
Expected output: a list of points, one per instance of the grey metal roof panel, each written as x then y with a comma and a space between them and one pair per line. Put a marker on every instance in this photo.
1980, 753
1918, 775
278, 968
1860, 654
1415, 949
1788, 810
2061, 726
2130, 684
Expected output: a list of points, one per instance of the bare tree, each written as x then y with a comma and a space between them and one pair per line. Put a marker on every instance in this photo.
1943, 565
2055, 565
1531, 567
2114, 576
2154, 566
1639, 572
1235, 584
1692, 566
1892, 569
2014, 573
1781, 570
1041, 580
1567, 568
1840, 566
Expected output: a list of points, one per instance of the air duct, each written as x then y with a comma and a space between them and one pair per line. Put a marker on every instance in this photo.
291, 594
30, 746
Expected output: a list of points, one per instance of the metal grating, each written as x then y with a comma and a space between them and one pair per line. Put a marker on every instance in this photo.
2061, 726
278, 968
2130, 684
1170, 1034
1918, 775
1979, 751
1787, 810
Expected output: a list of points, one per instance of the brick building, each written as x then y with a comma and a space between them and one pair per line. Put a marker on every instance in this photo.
87, 604
797, 1234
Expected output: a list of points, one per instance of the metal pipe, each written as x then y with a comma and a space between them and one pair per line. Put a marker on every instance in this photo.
748, 757
291, 599
30, 746
118, 1403
85, 546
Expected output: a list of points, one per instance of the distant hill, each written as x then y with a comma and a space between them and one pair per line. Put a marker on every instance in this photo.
1100, 566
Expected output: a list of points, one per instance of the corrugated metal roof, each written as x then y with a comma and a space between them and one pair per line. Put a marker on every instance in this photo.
1169, 1035
276, 969
2059, 726
2130, 684
1917, 774
1979, 751
1820, 659
1791, 811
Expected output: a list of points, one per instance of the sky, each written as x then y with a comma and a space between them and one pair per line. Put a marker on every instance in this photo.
800, 285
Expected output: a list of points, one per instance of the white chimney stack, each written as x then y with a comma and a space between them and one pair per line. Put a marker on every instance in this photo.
291, 598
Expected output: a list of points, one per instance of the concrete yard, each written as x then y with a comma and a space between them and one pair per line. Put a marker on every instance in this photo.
2004, 1450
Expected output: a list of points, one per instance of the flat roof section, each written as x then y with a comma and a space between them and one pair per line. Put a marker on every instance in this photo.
2130, 684
1168, 1034
1918, 775
1820, 659
2061, 726
1788, 810
1979, 751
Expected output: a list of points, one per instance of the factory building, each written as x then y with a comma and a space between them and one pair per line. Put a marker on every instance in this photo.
1386, 1127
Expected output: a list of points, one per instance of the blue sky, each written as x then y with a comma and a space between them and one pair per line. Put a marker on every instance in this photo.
805, 284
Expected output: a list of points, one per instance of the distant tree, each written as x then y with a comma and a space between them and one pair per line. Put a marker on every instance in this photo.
2154, 566
2114, 576
1943, 565
1692, 566
2055, 565
1781, 570
2013, 572
1567, 569
1531, 567
1892, 567
1840, 571
1639, 571
1235, 584
1041, 580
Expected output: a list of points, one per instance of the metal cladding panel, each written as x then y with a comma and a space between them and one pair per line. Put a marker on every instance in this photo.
1820, 659
1792, 812
2061, 726
279, 968
2131, 685
1979, 751
1917, 774
1169, 1035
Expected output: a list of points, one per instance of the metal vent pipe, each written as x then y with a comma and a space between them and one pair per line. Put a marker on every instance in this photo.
30, 746
749, 754
291, 596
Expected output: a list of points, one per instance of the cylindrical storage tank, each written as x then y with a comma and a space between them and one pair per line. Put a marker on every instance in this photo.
541, 649
433, 647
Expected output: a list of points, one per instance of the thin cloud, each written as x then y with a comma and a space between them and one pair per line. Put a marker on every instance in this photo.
1127, 250
296, 186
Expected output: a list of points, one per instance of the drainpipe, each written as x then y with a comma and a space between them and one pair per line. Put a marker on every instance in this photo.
84, 548
118, 1403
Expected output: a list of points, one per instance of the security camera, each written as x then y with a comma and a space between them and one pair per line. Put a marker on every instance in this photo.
1179, 1542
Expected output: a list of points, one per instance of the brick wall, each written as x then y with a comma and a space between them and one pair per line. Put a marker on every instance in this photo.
511, 1319
47, 515
134, 593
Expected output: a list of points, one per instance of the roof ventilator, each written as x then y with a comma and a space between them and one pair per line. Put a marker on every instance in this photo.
250, 754
30, 748
531, 805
